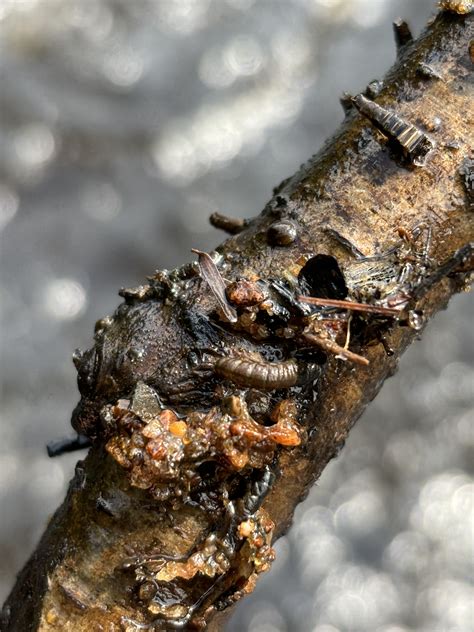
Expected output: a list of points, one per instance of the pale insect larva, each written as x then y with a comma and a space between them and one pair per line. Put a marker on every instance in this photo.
413, 143
255, 372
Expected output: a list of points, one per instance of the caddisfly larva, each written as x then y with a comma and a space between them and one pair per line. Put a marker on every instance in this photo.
251, 370
407, 138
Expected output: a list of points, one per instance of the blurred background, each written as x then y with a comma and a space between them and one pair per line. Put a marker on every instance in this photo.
124, 124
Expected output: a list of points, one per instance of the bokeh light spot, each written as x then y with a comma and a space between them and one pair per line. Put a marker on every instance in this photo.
64, 299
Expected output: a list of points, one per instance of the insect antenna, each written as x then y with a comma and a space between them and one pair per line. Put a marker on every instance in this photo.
350, 305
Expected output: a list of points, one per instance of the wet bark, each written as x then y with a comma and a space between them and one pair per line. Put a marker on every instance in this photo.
101, 564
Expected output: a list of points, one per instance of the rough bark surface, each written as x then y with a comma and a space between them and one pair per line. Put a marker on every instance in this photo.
89, 571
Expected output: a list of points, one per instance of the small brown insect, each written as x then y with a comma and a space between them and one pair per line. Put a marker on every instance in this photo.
253, 371
408, 139
213, 278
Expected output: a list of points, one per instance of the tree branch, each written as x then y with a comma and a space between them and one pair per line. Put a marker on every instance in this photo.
197, 419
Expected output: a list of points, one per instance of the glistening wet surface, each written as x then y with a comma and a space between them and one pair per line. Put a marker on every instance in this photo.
124, 126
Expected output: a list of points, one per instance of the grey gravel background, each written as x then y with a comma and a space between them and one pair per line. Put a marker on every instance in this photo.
124, 124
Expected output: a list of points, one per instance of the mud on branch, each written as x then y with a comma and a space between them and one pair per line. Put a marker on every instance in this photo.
216, 393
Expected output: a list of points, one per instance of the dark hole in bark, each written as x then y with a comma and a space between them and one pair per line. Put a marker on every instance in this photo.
321, 277
238, 487
310, 355
207, 470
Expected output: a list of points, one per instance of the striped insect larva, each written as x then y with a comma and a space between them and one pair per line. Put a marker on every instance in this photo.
411, 141
255, 372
